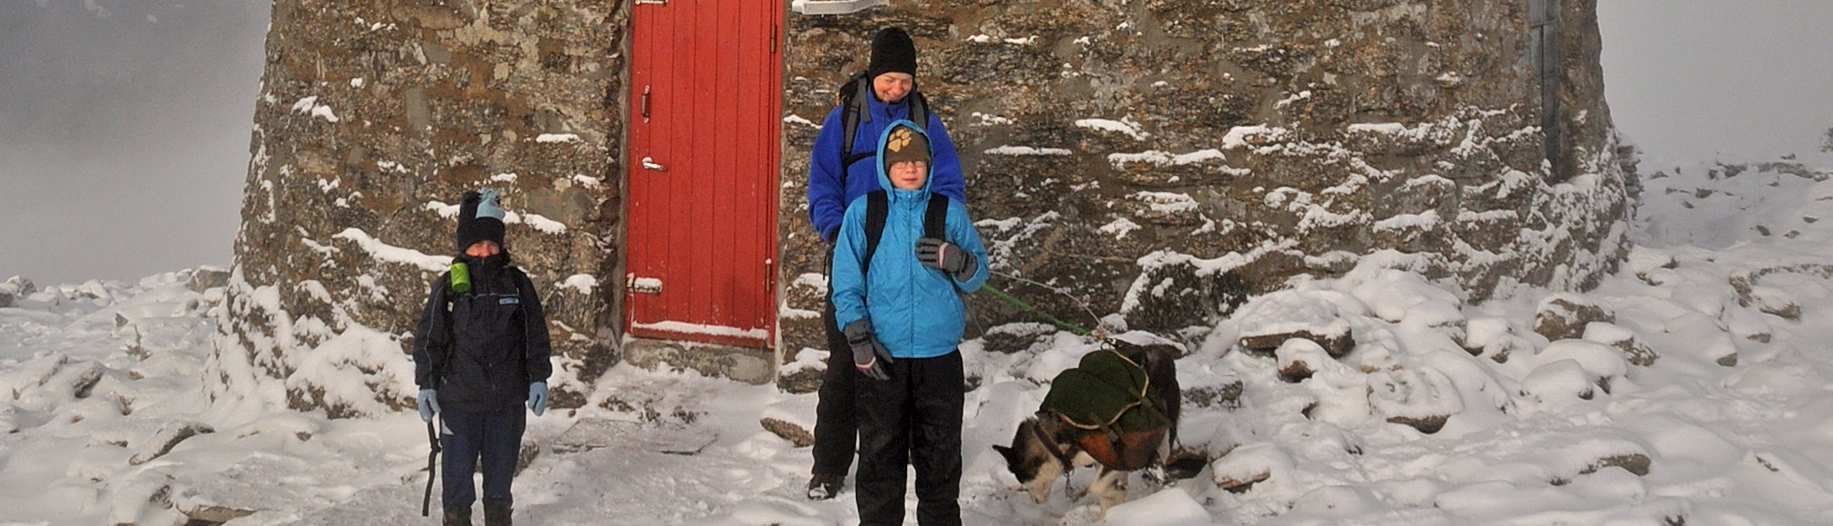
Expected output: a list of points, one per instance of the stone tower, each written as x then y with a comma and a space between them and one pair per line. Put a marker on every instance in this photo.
1158, 159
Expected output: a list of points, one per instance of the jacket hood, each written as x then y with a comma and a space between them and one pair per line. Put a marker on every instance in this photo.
884, 174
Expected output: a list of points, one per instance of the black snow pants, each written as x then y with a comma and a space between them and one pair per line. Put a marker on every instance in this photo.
836, 427
913, 418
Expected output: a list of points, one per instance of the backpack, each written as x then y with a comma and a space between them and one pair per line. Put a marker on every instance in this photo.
854, 95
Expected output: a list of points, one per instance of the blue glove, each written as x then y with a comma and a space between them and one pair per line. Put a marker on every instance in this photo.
428, 400
537, 397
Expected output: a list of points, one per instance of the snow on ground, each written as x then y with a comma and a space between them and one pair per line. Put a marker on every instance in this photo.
1699, 400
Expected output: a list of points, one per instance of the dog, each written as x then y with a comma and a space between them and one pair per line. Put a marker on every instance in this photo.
1048, 446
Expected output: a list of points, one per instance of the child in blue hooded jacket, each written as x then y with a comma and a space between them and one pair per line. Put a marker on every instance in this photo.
903, 317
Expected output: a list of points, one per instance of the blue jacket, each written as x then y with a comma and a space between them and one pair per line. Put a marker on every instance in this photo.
915, 310
827, 201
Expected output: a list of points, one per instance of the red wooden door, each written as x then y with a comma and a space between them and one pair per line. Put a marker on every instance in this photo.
706, 105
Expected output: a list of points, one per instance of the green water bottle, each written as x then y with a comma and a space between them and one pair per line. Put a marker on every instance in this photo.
461, 278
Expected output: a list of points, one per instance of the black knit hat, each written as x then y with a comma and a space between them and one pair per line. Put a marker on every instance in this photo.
892, 51
480, 218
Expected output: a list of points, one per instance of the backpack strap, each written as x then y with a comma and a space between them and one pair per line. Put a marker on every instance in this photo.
853, 97
878, 207
935, 217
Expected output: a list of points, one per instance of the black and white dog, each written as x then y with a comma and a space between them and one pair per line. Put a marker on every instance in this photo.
1046, 447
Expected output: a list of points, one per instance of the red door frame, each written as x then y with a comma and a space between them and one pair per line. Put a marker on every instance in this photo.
691, 59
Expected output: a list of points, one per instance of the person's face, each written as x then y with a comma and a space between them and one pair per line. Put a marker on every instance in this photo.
483, 249
892, 87
909, 175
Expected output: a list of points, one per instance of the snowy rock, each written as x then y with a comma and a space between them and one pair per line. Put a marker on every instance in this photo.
1168, 507
1564, 316
1017, 337
1268, 321
1643, 260
1336, 501
1748, 326
1493, 337
18, 287
167, 438
1601, 362
1250, 464
1421, 398
6, 299
1561, 380
1298, 358
1623, 340
1771, 300
207, 277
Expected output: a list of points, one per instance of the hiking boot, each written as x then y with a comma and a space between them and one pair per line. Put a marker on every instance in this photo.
824, 487
458, 517
496, 514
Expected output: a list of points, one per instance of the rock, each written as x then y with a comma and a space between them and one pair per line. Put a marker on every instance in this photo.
6, 299
530, 451
1634, 463
1729, 360
795, 434
1421, 398
1774, 301
1563, 379
165, 439
1622, 340
1319, 316
206, 278
1297, 357
18, 287
1224, 395
1565, 316
1603, 363
213, 514
1249, 464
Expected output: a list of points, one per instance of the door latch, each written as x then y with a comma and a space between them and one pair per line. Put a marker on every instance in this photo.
649, 163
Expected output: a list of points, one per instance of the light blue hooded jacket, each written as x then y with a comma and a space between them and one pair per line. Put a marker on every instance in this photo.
915, 310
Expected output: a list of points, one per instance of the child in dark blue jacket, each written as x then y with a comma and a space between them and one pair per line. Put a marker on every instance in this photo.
903, 317
480, 353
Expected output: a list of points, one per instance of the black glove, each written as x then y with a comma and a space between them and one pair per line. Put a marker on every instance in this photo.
869, 356
947, 257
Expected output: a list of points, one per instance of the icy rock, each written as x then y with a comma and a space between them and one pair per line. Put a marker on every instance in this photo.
94, 289
1636, 463
1421, 398
1564, 316
167, 438
1168, 507
794, 433
1643, 260
1492, 337
1623, 340
6, 299
207, 277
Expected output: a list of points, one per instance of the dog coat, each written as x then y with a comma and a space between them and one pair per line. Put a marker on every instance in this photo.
1105, 398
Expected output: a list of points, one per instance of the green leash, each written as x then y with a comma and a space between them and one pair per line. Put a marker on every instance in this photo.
1026, 307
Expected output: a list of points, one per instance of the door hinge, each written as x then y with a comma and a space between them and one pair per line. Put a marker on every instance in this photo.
773, 35
651, 2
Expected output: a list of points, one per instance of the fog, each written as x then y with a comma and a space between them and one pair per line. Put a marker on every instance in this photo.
124, 131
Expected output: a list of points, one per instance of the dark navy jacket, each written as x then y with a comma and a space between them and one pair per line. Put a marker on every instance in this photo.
827, 202
483, 351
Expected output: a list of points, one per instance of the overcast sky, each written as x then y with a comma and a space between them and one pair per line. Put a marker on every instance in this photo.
124, 124
124, 134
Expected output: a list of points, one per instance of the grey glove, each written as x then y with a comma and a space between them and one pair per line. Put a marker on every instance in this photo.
947, 257
869, 356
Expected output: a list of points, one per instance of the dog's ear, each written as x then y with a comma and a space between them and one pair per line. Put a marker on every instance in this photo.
1004, 452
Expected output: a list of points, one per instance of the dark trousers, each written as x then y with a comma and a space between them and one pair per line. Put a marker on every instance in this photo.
496, 436
836, 428
913, 418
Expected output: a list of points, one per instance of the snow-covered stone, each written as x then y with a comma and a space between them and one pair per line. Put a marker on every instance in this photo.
1564, 316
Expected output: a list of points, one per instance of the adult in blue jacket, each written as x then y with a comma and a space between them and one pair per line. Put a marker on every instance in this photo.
904, 317
834, 182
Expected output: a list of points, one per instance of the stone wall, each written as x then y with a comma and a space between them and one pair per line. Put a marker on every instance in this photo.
373, 118
1159, 159
1163, 158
